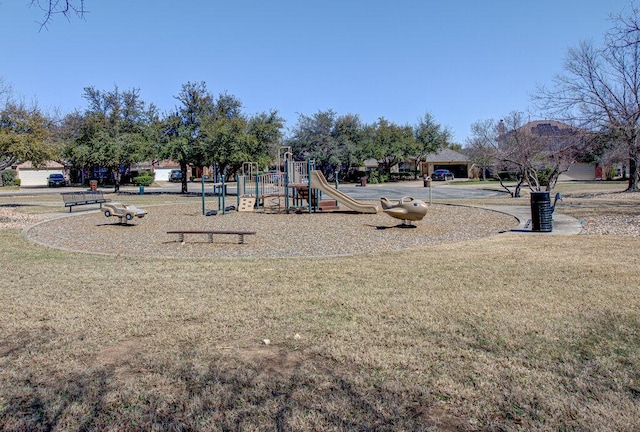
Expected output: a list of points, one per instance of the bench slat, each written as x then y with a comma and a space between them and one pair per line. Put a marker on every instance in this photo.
210, 233
72, 199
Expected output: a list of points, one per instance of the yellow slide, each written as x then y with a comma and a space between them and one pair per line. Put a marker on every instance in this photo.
318, 181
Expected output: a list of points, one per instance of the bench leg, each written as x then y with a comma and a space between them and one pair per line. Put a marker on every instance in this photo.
181, 237
210, 237
241, 238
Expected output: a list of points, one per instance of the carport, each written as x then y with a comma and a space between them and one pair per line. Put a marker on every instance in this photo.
455, 162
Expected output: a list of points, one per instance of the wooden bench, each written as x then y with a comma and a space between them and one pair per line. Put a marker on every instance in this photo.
72, 199
240, 234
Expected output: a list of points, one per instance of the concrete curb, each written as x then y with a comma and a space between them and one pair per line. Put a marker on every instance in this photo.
562, 224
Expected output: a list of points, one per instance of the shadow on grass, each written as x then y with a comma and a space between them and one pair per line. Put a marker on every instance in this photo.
221, 393
123, 387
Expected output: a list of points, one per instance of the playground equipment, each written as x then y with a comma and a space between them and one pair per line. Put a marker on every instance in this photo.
275, 189
407, 208
298, 187
128, 212
319, 182
220, 191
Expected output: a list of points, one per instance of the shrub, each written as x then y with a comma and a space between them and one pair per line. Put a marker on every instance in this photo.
378, 177
8, 177
143, 180
543, 176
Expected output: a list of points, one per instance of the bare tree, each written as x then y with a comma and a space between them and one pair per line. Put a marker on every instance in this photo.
600, 88
66, 8
518, 152
504, 145
481, 146
535, 153
5, 92
613, 157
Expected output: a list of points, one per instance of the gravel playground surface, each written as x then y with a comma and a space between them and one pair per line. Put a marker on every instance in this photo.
277, 235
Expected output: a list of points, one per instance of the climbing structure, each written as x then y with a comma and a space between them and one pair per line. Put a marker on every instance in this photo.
296, 186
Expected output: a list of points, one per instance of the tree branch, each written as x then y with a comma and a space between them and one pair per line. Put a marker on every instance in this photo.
66, 8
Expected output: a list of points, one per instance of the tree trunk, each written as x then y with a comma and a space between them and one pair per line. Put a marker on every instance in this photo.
633, 172
515, 193
553, 179
116, 179
183, 168
518, 189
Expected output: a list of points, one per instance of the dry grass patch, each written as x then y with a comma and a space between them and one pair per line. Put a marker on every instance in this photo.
605, 212
506, 333
52, 202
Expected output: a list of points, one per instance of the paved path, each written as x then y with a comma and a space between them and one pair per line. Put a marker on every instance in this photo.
416, 190
439, 191
562, 224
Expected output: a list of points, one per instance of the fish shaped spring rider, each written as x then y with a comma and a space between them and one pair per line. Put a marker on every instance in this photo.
407, 208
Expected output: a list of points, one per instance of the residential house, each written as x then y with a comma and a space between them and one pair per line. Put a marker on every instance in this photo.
32, 176
456, 162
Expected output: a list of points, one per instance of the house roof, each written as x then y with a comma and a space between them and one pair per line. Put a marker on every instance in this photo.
46, 165
549, 128
371, 163
447, 155
167, 163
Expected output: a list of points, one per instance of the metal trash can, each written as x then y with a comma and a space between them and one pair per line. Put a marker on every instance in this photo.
427, 181
541, 212
363, 181
93, 185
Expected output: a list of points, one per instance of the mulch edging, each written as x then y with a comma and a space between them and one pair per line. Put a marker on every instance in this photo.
278, 235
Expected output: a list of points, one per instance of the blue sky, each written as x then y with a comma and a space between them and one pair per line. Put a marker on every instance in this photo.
460, 60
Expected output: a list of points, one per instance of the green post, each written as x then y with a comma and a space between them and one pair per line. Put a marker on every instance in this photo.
257, 191
222, 194
309, 183
203, 209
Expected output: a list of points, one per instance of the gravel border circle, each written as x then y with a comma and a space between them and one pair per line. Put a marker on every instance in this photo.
277, 235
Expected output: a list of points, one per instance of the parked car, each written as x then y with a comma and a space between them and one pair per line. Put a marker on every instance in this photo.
442, 174
56, 180
175, 175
